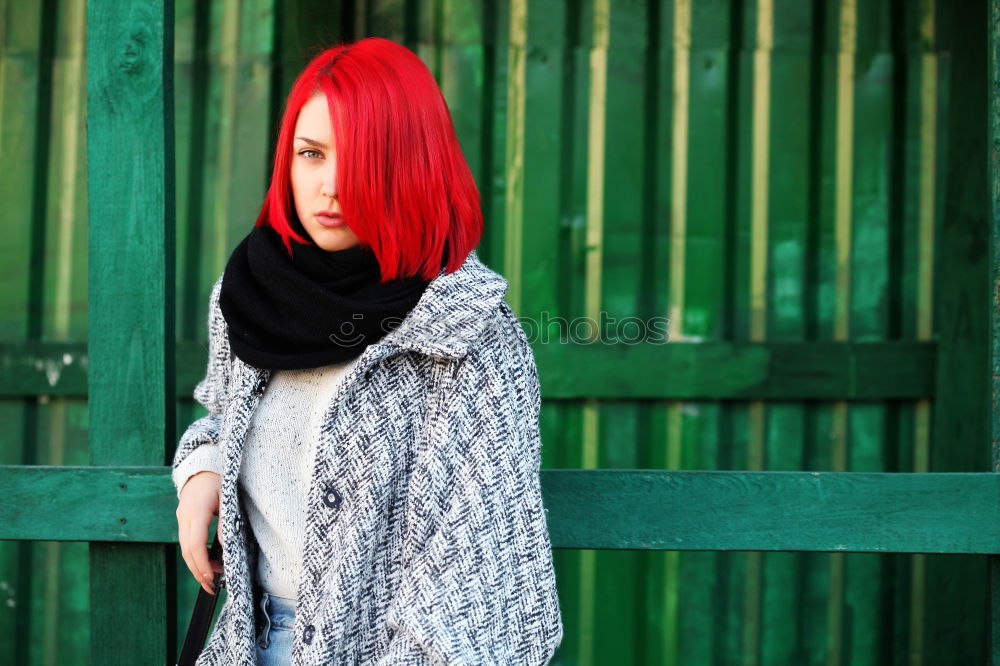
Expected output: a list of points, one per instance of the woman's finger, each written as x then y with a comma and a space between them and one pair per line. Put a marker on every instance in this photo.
202, 571
182, 537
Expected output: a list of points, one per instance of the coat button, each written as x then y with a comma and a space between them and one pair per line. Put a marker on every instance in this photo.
331, 497
307, 635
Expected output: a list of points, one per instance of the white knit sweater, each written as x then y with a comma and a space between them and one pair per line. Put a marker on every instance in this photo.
277, 467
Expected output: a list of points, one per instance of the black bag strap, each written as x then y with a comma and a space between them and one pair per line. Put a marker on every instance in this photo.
204, 609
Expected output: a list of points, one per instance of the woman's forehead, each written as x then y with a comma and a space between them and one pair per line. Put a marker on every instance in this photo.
314, 120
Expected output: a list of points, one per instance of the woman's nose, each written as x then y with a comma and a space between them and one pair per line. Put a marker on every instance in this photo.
330, 184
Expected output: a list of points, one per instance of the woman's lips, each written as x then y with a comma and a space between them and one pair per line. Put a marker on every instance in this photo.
330, 221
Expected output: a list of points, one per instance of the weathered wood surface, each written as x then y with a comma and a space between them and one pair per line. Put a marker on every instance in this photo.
993, 189
131, 173
601, 509
707, 371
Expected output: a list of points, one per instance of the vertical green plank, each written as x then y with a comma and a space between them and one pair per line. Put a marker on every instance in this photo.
503, 28
64, 591
387, 18
865, 576
131, 307
788, 250
599, 24
915, 158
573, 444
191, 110
232, 112
709, 583
24, 102
541, 151
538, 240
742, 428
618, 230
761, 284
304, 27
956, 620
251, 76
514, 179
462, 75
994, 258
25, 91
843, 221
595, 25
661, 608
239, 127
430, 17
815, 577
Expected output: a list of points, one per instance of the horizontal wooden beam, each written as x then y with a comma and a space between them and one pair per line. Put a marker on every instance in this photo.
678, 371
744, 371
63, 503
793, 511
30, 369
601, 509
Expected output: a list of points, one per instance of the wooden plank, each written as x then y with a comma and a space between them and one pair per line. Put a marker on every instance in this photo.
993, 120
101, 504
703, 173
569, 438
305, 26
764, 279
60, 368
543, 239
193, 155
790, 125
864, 628
665, 614
618, 103
843, 220
915, 165
63, 567
26, 36
717, 370
773, 511
131, 306
815, 579
956, 622
730, 371
604, 509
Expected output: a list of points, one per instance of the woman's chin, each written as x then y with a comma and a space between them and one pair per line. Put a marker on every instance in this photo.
332, 240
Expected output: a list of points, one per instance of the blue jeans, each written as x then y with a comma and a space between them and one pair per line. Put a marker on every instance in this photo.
274, 641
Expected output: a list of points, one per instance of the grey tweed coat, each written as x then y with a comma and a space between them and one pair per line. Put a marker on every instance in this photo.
426, 539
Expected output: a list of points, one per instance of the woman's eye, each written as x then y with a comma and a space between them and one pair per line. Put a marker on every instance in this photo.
308, 150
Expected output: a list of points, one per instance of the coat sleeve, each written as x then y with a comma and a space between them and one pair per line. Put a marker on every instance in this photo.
478, 584
198, 448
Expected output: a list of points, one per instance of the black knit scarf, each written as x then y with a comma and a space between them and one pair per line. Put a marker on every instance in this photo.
310, 309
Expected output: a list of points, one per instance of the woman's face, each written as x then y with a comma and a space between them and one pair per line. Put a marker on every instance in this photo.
314, 178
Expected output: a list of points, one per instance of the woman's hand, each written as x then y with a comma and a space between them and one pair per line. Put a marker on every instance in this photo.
199, 501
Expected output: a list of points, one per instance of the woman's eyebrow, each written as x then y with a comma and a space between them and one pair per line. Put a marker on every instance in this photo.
312, 142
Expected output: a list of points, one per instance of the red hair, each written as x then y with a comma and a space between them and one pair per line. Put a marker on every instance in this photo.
403, 184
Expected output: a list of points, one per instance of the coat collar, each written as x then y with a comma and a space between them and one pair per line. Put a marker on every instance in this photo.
453, 311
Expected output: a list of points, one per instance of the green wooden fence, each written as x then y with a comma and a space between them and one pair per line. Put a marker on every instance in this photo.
800, 189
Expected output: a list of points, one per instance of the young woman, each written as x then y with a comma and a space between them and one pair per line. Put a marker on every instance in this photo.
372, 446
